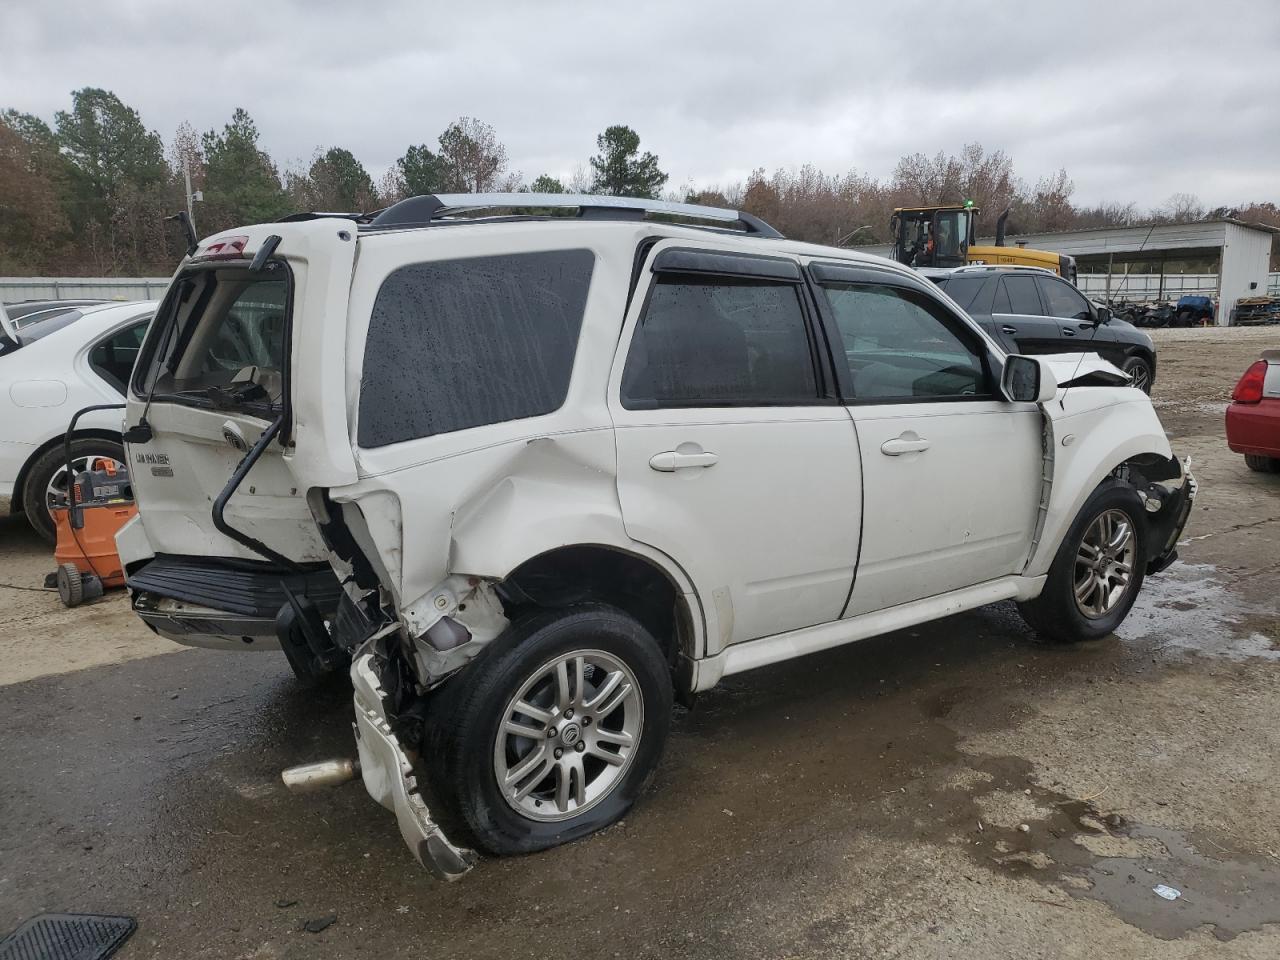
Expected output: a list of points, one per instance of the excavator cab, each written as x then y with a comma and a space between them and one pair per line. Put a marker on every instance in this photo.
933, 236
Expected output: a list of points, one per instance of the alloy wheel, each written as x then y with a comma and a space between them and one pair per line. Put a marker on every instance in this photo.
1104, 563
568, 735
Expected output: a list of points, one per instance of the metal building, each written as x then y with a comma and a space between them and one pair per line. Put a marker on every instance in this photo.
1238, 254
1227, 259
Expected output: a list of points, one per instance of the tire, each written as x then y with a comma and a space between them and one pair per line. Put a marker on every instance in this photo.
1143, 376
47, 466
1055, 614
465, 724
1262, 464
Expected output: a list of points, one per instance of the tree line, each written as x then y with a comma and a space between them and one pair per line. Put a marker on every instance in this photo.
88, 193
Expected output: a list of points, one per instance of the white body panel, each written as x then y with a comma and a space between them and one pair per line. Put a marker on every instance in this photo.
960, 512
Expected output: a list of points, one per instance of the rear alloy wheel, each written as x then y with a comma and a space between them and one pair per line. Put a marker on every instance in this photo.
569, 735
1140, 371
1262, 464
46, 481
1097, 572
553, 731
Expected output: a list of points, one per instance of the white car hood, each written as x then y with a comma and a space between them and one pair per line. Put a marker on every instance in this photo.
1074, 368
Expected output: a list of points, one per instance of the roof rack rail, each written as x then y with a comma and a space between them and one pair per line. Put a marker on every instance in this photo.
432, 208
319, 215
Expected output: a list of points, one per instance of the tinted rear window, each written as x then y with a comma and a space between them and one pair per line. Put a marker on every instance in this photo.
463, 343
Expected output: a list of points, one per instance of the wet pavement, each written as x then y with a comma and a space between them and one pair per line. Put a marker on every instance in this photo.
953, 790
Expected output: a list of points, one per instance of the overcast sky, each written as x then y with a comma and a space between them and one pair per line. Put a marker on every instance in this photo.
1136, 99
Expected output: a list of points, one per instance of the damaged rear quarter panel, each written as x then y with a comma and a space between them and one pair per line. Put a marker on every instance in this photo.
480, 501
1107, 425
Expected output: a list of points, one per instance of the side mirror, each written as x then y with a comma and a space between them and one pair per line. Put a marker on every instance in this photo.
1027, 380
1101, 314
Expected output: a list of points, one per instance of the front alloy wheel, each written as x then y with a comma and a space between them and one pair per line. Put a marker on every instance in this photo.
568, 735
1104, 564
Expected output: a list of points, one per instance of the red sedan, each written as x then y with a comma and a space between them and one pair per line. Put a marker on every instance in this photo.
1253, 419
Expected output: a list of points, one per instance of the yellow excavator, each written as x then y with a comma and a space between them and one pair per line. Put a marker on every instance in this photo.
943, 236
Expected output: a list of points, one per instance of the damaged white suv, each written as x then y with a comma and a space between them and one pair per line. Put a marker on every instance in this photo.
533, 477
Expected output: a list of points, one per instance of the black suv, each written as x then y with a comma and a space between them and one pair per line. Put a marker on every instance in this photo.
1032, 311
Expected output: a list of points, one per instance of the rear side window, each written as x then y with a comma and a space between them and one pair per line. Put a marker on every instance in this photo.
1018, 295
964, 290
454, 344
113, 357
716, 342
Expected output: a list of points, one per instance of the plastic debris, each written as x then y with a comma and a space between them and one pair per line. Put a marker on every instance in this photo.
1169, 893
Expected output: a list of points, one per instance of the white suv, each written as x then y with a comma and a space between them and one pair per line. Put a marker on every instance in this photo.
534, 477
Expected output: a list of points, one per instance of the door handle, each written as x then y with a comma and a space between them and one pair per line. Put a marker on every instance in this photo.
1008, 329
1068, 332
669, 461
907, 442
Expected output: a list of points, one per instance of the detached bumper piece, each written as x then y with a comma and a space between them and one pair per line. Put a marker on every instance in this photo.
1172, 501
389, 778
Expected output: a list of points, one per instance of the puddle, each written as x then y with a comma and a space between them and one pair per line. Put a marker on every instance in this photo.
1097, 856
1188, 609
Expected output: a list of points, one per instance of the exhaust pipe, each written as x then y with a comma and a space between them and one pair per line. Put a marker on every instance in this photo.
324, 773
1000, 220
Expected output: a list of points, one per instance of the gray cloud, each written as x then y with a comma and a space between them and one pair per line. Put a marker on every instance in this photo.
1136, 99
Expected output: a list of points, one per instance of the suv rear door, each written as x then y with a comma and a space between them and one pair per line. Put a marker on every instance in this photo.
734, 457
213, 376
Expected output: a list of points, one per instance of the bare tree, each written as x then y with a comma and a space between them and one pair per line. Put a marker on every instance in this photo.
471, 156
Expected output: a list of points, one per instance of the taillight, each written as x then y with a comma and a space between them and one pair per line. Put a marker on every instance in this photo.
1249, 389
224, 248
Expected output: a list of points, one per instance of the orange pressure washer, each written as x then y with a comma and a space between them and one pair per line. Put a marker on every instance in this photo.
98, 502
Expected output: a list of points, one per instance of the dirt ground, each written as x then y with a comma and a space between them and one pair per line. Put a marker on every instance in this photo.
955, 790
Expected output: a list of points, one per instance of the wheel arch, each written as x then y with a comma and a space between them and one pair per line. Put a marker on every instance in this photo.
1117, 436
638, 583
16, 504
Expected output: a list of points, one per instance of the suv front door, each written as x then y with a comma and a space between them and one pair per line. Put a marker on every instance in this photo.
951, 471
734, 456
1072, 313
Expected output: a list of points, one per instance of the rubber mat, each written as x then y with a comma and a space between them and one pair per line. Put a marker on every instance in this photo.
67, 936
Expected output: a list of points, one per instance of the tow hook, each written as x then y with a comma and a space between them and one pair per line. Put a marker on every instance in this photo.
324, 773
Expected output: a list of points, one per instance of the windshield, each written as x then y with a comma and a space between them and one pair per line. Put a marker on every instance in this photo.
219, 340
952, 238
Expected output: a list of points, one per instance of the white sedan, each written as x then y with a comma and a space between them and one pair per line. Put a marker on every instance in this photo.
49, 369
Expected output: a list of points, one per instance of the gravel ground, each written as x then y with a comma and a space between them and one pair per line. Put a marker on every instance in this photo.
865, 802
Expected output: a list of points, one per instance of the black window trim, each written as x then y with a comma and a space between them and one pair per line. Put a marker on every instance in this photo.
724, 263
870, 275
824, 368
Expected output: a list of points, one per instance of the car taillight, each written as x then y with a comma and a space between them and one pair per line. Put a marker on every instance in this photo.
1249, 389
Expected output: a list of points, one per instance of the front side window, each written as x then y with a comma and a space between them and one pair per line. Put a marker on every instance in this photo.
715, 342
454, 344
220, 340
899, 345
1063, 300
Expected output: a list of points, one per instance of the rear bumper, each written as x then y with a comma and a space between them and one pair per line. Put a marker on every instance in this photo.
223, 604
388, 775
1255, 427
